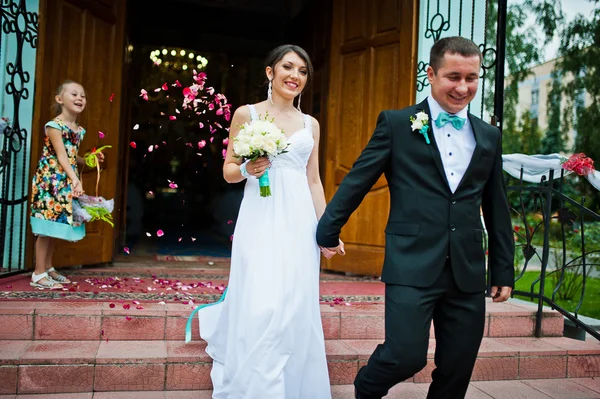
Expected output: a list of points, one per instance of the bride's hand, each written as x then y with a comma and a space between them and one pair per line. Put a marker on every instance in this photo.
257, 168
340, 248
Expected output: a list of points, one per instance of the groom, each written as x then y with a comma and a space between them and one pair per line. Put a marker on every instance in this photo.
441, 165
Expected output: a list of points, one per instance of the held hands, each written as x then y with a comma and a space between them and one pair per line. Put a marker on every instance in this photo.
257, 168
500, 294
329, 252
77, 188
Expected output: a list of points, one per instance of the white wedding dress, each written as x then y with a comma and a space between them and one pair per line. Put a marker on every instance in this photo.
266, 337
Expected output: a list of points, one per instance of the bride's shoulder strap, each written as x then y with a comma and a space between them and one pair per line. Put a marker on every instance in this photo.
307, 122
253, 113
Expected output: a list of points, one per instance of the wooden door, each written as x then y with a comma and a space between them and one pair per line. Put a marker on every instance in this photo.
372, 68
83, 40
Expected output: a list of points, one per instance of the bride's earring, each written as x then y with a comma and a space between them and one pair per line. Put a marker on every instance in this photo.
270, 92
299, 99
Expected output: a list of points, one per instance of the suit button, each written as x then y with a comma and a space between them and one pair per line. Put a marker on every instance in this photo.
452, 227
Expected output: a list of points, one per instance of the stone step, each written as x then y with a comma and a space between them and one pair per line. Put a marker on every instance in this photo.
131, 320
40, 367
582, 388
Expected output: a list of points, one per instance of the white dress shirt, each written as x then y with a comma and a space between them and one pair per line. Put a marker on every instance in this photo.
456, 146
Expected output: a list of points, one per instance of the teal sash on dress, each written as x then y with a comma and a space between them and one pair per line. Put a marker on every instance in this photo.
188, 326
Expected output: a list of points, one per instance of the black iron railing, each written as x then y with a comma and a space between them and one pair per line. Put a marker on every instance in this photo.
550, 230
21, 25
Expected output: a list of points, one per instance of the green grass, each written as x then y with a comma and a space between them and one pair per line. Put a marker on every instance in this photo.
591, 300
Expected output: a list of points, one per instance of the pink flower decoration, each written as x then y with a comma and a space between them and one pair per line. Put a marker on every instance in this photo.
224, 153
201, 125
126, 250
165, 86
127, 318
160, 233
112, 97
172, 117
112, 305
226, 141
126, 306
101, 135
580, 164
133, 144
144, 94
201, 144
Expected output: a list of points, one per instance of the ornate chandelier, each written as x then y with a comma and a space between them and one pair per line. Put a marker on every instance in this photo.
177, 59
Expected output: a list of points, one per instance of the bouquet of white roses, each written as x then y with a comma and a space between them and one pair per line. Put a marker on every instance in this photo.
260, 138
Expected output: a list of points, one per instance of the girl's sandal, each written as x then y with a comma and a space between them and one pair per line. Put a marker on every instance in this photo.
59, 277
47, 283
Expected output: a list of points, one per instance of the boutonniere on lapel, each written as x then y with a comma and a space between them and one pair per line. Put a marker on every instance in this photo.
420, 123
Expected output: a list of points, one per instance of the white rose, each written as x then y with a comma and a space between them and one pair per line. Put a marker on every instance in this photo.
271, 148
417, 125
422, 116
282, 143
257, 141
241, 149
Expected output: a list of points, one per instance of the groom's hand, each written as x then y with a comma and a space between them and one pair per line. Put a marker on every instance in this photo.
329, 252
500, 294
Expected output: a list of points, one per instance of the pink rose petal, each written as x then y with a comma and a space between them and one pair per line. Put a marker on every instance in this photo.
112, 97
101, 135
172, 117
160, 233
133, 144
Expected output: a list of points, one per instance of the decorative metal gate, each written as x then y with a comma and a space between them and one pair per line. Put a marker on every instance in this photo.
484, 22
22, 26
573, 261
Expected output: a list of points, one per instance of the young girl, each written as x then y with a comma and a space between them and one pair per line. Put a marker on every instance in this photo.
55, 184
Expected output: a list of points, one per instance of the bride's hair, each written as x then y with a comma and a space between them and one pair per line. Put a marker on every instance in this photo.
278, 53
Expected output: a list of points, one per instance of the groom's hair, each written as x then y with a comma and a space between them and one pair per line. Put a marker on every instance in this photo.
452, 45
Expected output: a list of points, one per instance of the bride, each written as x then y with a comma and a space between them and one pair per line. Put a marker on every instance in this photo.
265, 337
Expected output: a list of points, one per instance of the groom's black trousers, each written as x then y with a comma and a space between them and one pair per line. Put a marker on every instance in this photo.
458, 320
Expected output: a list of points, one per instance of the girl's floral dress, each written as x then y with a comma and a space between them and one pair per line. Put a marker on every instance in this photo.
51, 192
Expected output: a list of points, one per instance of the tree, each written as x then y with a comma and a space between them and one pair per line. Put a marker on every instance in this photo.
555, 139
523, 137
523, 51
580, 59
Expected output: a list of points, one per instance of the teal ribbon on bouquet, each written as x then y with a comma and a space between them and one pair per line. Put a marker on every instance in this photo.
188, 325
263, 182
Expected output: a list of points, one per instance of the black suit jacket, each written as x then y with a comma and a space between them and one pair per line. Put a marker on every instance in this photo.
427, 222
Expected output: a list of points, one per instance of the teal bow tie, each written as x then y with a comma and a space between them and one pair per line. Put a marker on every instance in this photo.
444, 118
